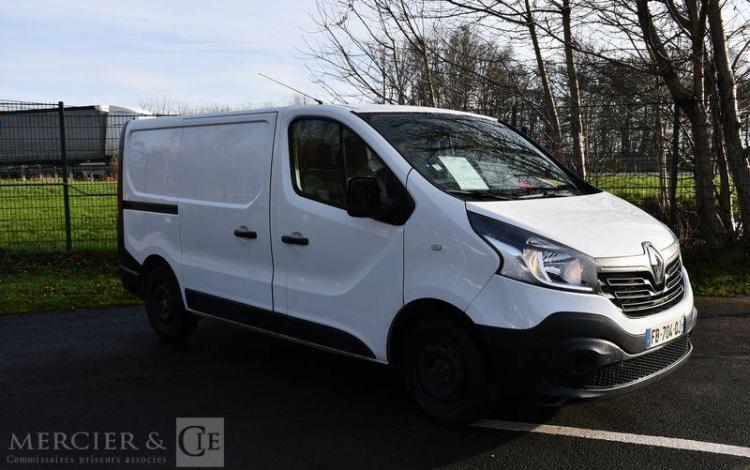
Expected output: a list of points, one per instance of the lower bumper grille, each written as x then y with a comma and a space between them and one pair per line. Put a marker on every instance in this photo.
642, 366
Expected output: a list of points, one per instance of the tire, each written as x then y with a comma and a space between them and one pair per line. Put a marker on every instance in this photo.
446, 373
164, 307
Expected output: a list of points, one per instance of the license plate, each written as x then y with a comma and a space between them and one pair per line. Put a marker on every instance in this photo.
660, 334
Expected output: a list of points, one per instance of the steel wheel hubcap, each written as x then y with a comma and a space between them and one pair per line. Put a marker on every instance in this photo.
164, 303
442, 371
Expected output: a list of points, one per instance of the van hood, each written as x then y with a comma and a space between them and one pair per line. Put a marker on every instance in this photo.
601, 225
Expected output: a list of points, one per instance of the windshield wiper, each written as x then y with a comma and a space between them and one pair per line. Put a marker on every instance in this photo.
482, 194
545, 191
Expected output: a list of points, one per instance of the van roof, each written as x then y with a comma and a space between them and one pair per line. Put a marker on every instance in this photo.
355, 108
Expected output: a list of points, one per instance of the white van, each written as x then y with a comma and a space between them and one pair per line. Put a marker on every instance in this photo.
446, 244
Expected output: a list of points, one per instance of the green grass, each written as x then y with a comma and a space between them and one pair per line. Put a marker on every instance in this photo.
32, 217
39, 277
63, 282
724, 273
60, 282
636, 187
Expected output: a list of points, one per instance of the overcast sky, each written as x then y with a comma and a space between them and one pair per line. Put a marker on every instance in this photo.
128, 52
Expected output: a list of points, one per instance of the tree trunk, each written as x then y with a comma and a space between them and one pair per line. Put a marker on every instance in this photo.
730, 121
725, 195
549, 100
661, 158
711, 226
576, 123
427, 73
626, 160
645, 140
691, 101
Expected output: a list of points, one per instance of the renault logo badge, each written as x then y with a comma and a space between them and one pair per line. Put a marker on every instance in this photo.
656, 261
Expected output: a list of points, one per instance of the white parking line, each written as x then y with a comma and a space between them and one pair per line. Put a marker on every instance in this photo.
658, 441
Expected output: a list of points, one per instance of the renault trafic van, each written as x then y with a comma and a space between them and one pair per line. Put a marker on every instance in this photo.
446, 244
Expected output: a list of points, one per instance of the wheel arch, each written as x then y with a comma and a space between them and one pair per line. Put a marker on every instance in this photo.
425, 308
150, 263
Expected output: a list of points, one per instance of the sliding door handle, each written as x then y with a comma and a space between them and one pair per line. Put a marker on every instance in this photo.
244, 232
295, 239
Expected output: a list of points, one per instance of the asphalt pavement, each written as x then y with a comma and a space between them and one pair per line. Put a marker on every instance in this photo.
289, 406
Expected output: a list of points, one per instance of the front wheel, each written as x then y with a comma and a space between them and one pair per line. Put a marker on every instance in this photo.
164, 307
446, 373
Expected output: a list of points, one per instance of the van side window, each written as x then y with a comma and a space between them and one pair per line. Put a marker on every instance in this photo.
325, 154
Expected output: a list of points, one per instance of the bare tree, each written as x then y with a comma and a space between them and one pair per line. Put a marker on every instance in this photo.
576, 120
726, 213
661, 157
516, 16
691, 100
378, 48
549, 99
729, 116
599, 77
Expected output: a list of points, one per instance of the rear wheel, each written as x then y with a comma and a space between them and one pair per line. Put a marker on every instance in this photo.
164, 307
446, 373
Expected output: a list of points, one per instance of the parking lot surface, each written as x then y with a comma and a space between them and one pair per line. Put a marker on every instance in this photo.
289, 406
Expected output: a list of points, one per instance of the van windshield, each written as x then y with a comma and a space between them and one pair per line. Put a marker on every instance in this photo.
472, 157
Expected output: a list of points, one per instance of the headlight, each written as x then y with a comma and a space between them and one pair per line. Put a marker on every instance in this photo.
528, 257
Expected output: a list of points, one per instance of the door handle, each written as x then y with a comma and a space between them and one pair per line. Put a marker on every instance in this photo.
244, 232
295, 240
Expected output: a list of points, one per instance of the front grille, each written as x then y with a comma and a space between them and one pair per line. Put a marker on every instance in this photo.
642, 366
635, 292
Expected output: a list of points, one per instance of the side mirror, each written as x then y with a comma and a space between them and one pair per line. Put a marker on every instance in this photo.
363, 197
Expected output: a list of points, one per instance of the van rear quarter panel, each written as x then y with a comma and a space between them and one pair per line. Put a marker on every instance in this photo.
150, 174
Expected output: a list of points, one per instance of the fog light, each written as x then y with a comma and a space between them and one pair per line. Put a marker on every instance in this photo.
581, 363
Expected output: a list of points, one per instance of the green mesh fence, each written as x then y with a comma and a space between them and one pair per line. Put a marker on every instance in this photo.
58, 169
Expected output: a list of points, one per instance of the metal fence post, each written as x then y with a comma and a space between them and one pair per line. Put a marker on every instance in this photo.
64, 159
674, 164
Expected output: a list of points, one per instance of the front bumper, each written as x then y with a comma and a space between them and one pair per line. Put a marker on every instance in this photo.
581, 355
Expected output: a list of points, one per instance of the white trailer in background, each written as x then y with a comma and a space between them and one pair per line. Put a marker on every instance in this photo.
30, 139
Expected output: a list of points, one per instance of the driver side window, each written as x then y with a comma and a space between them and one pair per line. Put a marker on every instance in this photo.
325, 154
